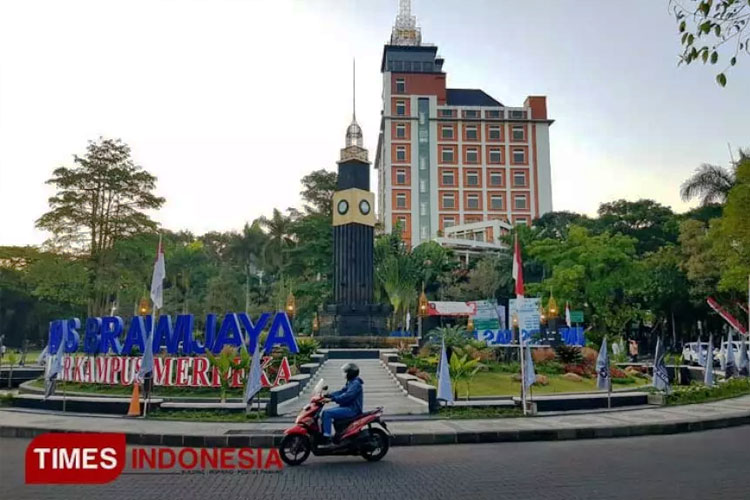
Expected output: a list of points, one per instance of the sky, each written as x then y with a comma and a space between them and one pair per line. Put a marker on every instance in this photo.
231, 102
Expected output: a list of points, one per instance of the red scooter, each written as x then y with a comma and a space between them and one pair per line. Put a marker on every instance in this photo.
366, 434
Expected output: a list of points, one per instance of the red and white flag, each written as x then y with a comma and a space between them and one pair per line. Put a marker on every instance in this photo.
567, 314
518, 268
157, 279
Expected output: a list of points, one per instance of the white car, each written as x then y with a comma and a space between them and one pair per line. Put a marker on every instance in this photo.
691, 355
736, 345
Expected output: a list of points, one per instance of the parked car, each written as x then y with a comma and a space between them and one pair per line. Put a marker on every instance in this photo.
691, 355
736, 345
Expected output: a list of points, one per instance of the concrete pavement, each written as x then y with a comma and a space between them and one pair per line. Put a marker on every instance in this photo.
381, 389
659, 420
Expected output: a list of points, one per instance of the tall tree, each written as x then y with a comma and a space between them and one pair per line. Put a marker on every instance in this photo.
101, 199
650, 223
246, 249
279, 228
317, 191
712, 183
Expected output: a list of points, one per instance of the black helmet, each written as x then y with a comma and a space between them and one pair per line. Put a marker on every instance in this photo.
350, 370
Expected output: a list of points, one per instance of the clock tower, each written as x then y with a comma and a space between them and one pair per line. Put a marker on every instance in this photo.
353, 311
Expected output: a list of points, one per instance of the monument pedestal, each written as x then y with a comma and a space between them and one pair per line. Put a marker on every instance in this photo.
355, 320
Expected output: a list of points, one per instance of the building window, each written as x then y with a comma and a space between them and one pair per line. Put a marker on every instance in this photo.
520, 202
401, 153
400, 200
519, 179
447, 131
400, 108
492, 113
422, 185
423, 208
472, 156
519, 156
472, 178
517, 114
472, 201
448, 155
496, 202
471, 132
400, 176
496, 179
400, 86
496, 156
471, 113
449, 200
518, 133
449, 221
423, 232
479, 236
448, 178
400, 131
445, 113
495, 133
521, 222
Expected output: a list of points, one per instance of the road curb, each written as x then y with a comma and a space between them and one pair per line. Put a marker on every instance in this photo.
268, 439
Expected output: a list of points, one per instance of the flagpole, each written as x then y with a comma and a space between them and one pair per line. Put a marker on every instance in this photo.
523, 371
150, 339
63, 379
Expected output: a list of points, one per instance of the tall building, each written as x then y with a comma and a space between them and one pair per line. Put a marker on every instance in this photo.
455, 165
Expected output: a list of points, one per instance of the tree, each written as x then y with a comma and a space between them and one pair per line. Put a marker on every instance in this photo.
317, 191
732, 233
397, 273
556, 224
712, 24
279, 238
650, 223
710, 183
100, 200
246, 249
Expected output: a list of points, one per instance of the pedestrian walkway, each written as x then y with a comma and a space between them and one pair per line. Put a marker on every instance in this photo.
380, 388
419, 431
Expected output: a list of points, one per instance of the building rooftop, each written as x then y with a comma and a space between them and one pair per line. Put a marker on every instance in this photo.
470, 97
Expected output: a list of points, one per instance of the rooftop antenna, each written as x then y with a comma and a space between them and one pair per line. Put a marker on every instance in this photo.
354, 89
405, 30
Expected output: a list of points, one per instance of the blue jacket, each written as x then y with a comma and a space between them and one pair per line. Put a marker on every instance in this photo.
350, 396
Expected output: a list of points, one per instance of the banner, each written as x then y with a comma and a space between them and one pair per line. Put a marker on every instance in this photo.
727, 317
451, 308
527, 311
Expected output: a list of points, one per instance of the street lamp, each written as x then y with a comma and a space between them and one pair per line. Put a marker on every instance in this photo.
315, 324
470, 324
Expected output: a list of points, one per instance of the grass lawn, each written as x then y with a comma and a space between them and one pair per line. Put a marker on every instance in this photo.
31, 357
502, 384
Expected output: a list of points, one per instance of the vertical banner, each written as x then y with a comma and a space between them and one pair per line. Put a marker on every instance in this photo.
526, 310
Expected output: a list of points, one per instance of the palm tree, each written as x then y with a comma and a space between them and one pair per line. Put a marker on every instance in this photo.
712, 183
247, 249
279, 228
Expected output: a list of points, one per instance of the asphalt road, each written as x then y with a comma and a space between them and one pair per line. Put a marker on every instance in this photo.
712, 464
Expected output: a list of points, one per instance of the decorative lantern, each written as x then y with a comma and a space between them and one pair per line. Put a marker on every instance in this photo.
423, 305
291, 305
470, 324
315, 323
552, 307
143, 307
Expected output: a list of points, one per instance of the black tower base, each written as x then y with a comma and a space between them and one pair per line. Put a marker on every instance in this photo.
355, 320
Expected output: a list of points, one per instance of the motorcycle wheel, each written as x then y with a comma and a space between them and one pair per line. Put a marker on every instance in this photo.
381, 444
294, 449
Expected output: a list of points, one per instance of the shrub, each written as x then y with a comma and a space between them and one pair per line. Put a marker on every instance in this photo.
454, 336
699, 393
576, 369
543, 355
589, 354
568, 354
623, 380
512, 367
550, 368
615, 372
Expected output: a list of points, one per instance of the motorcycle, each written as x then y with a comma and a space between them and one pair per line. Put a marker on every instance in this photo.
366, 434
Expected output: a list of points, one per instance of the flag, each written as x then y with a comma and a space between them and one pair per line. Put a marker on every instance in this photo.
602, 367
567, 315
708, 374
147, 360
661, 376
722, 356
701, 354
157, 278
518, 268
253, 384
445, 390
730, 365
529, 377
55, 365
743, 367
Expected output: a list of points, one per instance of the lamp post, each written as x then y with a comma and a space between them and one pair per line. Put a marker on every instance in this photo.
552, 311
421, 313
315, 324
470, 324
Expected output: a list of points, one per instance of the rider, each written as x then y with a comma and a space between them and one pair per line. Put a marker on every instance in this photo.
349, 399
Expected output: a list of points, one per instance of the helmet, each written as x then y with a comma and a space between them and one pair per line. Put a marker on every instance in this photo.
350, 370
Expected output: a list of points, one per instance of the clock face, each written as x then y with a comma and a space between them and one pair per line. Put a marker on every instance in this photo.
364, 207
343, 207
